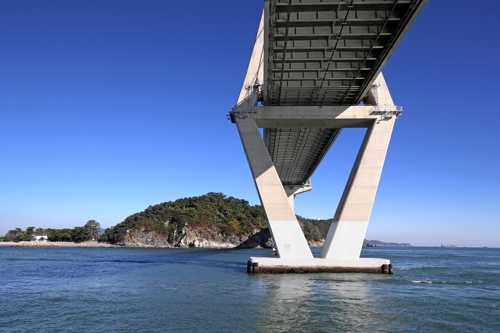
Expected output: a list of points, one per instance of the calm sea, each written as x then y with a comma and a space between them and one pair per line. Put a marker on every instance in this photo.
189, 290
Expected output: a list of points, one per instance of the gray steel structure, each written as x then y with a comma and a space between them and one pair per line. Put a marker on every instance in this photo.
323, 53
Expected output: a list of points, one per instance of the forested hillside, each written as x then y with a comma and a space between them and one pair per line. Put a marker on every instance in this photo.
225, 216
314, 230
229, 215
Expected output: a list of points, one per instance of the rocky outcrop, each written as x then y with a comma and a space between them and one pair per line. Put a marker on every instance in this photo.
313, 243
208, 238
260, 238
198, 238
142, 238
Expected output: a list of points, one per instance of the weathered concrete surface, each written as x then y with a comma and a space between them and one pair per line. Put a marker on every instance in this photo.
312, 116
344, 240
288, 237
347, 232
318, 265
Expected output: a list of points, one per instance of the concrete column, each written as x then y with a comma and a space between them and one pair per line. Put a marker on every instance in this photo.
255, 69
288, 237
346, 234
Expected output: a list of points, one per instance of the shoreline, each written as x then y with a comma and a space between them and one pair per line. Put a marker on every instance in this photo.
56, 244
94, 244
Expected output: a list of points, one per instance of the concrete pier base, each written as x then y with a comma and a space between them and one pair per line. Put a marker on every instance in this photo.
259, 265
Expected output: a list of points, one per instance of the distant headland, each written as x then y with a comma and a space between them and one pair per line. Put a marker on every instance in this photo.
379, 243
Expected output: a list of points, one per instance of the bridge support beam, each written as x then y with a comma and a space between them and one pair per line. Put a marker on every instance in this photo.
344, 241
346, 234
288, 237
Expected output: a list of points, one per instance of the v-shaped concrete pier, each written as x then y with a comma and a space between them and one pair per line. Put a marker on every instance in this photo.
315, 69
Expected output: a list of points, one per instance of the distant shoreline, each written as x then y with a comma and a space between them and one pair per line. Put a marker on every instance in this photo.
94, 244
57, 244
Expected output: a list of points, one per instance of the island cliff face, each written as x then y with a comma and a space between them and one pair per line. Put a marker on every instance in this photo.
199, 238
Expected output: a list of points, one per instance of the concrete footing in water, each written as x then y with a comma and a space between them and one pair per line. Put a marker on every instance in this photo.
257, 265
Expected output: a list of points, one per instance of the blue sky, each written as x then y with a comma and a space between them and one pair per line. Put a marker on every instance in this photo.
107, 107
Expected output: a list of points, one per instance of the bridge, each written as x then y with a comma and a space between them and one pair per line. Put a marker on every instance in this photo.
316, 68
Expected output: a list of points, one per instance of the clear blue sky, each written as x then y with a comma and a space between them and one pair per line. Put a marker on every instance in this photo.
107, 107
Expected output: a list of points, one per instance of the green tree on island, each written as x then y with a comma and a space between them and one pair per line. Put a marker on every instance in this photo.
22, 235
10, 236
81, 234
59, 235
39, 232
94, 227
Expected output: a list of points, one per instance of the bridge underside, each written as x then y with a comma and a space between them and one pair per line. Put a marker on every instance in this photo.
319, 53
316, 68
296, 152
329, 52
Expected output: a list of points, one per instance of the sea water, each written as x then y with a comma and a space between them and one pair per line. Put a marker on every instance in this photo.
196, 290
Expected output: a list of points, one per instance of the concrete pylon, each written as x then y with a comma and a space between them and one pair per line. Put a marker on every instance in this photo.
289, 240
346, 234
255, 69
343, 244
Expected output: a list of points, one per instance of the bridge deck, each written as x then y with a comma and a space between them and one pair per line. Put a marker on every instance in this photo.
319, 53
328, 52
